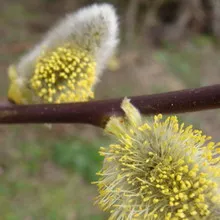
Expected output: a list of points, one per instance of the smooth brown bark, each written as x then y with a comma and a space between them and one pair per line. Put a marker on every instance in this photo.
98, 112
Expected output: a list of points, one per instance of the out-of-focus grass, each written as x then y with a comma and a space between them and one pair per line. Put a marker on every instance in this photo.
183, 64
79, 156
51, 181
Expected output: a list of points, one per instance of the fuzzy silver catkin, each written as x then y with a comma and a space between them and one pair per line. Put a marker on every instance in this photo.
93, 28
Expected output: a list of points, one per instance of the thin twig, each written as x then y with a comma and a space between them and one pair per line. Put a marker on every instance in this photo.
98, 112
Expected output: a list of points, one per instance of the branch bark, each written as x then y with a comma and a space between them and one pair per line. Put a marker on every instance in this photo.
98, 112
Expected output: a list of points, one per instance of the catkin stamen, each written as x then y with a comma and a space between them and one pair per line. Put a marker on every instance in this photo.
66, 74
158, 169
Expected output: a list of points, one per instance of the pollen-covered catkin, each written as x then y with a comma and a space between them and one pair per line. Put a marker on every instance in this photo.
68, 63
64, 75
158, 169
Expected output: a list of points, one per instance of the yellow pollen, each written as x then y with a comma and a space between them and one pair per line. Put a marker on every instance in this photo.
156, 170
66, 74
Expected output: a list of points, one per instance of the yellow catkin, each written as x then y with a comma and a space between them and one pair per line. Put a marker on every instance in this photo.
66, 74
158, 170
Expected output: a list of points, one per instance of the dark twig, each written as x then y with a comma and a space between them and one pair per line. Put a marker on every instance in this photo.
98, 112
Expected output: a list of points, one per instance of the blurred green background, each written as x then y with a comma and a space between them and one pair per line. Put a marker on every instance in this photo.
165, 45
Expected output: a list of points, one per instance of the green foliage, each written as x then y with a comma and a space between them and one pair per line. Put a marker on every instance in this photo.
33, 154
203, 41
80, 156
44, 179
182, 63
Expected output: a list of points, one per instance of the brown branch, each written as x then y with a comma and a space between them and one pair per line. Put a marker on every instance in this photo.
97, 112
